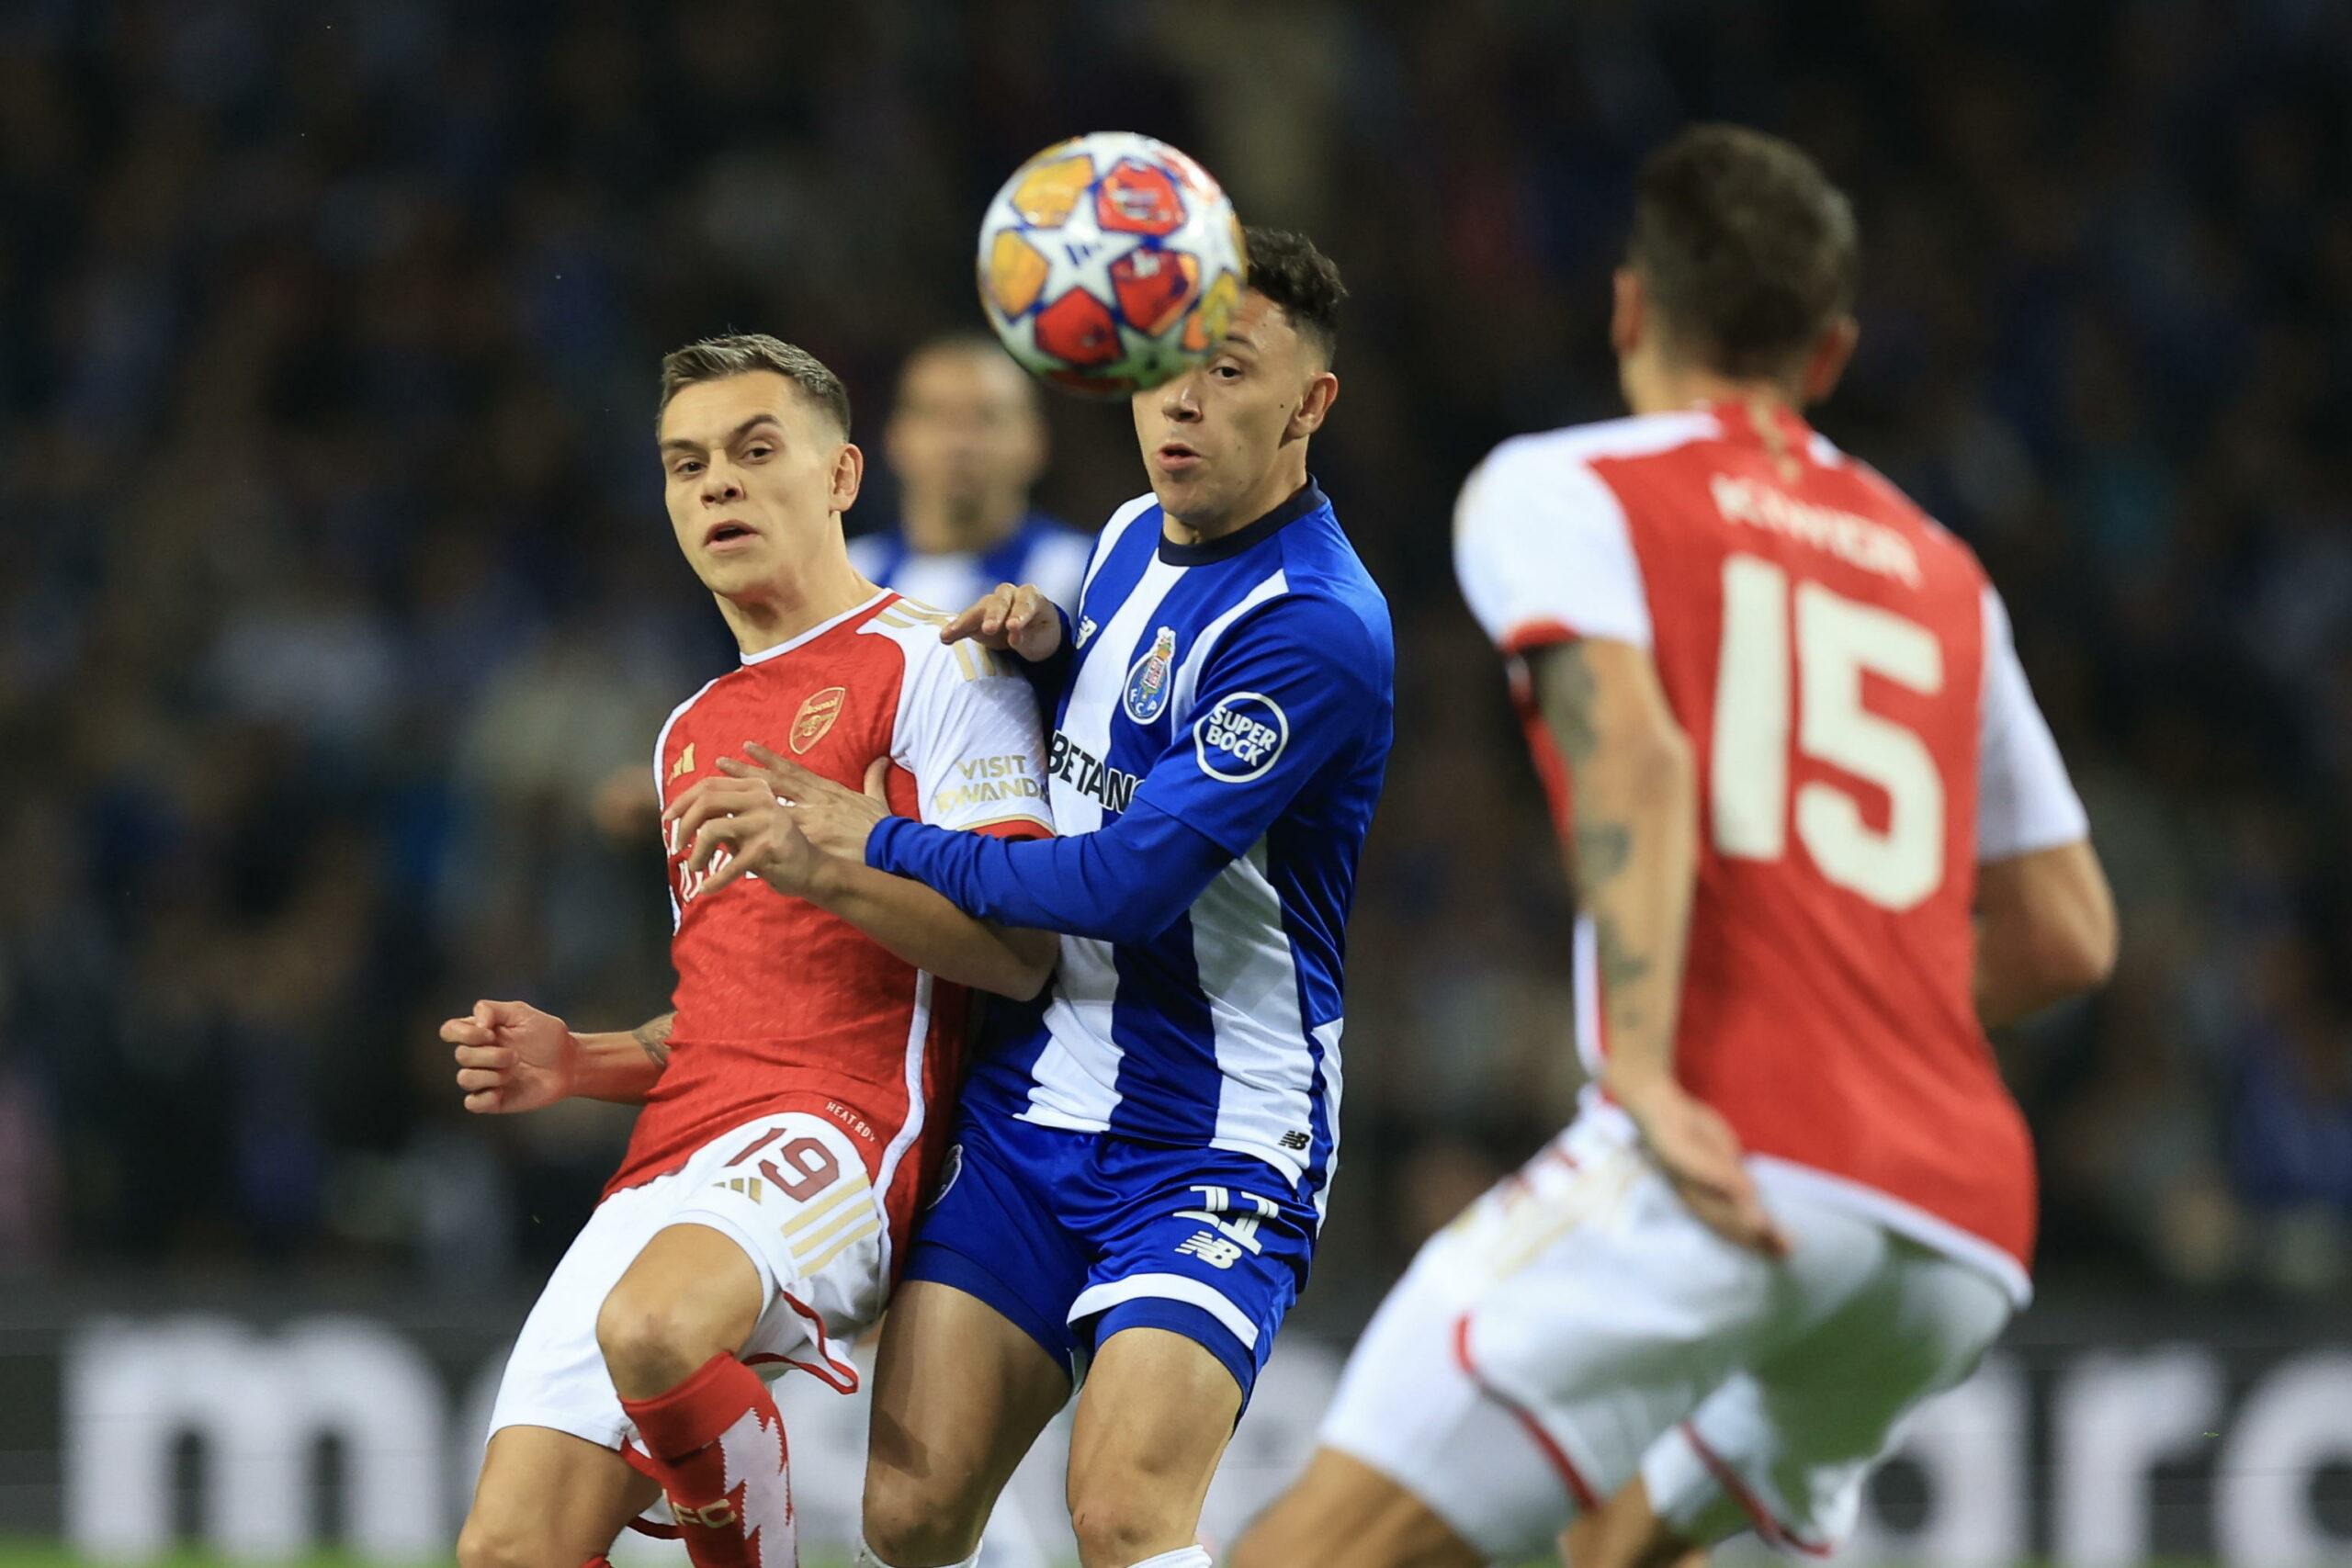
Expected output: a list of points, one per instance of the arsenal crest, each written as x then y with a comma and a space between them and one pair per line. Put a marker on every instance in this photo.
816, 716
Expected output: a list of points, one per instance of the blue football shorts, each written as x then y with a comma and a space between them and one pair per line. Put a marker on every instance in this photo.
1076, 1236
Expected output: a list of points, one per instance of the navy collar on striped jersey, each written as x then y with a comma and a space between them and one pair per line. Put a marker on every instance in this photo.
1306, 500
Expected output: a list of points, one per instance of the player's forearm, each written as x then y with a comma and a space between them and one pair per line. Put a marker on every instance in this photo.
1637, 855
1126, 883
1635, 852
926, 930
622, 1066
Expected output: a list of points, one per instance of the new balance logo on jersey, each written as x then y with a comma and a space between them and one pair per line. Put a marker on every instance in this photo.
1081, 771
1295, 1140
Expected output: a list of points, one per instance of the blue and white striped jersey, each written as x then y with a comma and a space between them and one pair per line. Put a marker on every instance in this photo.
1041, 551
1246, 688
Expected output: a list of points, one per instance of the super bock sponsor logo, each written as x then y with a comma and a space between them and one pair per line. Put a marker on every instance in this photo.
1147, 679
1240, 737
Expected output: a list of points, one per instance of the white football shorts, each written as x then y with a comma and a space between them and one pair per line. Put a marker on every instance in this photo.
792, 1192
1577, 1326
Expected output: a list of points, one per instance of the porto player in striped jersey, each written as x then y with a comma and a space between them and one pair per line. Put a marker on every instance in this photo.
1820, 837
1143, 1165
796, 1104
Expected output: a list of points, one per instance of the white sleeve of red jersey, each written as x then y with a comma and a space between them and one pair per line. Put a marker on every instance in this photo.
2024, 800
968, 731
1543, 552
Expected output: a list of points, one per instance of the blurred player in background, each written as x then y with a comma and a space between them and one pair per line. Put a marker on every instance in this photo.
966, 441
1820, 837
794, 1113
1141, 1170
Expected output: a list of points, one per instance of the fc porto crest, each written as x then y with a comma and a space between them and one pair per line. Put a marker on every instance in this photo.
815, 717
1149, 677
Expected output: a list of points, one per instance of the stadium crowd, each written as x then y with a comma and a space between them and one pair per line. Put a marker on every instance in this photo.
334, 587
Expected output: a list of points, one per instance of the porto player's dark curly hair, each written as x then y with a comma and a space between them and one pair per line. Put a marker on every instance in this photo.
1286, 268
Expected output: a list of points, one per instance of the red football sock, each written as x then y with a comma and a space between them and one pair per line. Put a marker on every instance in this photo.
718, 1449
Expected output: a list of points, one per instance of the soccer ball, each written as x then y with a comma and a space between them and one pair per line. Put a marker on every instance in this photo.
1109, 263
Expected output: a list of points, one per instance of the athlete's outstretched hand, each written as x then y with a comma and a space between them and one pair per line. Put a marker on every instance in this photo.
512, 1056
834, 818
1019, 619
1700, 1157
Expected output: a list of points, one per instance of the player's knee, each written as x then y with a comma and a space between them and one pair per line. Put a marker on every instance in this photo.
485, 1543
910, 1519
1124, 1523
651, 1345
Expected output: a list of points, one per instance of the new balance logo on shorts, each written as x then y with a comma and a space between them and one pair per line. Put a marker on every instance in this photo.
1215, 1251
1223, 1243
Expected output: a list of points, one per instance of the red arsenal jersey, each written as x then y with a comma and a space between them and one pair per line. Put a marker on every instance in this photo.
781, 1006
1864, 738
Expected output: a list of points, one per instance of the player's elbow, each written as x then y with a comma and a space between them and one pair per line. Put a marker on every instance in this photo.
2050, 920
2077, 930
1029, 957
1656, 765
1673, 767
2078, 951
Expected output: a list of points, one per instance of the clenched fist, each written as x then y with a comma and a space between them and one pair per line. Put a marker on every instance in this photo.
512, 1056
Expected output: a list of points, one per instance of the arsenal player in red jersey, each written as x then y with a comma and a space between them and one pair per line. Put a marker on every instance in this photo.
793, 1101
1820, 837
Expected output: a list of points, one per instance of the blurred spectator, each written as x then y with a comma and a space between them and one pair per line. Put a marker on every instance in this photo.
964, 445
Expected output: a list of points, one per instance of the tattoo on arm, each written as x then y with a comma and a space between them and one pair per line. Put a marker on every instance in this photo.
653, 1037
1621, 970
1605, 846
1567, 691
1603, 850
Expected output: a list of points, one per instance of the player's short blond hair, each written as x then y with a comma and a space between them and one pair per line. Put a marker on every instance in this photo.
740, 354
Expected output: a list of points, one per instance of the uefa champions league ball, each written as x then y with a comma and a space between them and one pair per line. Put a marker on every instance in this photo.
1109, 263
